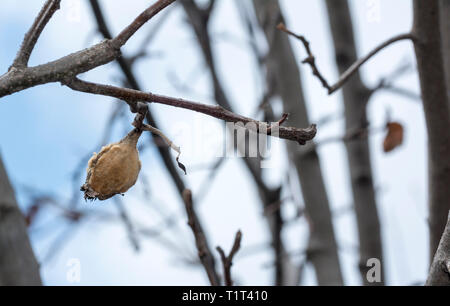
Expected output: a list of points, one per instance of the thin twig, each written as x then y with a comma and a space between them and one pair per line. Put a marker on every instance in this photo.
310, 60
398, 90
387, 83
104, 30
132, 234
290, 133
275, 206
279, 123
145, 16
205, 186
351, 135
204, 252
227, 261
44, 16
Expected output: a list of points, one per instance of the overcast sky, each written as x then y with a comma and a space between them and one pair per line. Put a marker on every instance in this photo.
44, 131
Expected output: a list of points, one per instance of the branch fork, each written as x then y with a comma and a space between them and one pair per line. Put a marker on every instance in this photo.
310, 60
227, 261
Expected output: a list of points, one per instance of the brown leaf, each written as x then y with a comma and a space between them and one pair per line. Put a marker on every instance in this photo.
394, 137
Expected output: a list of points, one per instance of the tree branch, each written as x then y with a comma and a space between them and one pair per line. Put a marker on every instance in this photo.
145, 16
46, 13
17, 79
204, 252
133, 96
125, 218
310, 60
66, 68
227, 261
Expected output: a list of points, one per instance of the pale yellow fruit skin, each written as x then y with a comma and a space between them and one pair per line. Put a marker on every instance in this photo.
114, 169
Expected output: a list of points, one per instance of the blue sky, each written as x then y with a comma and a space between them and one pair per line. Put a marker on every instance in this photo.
44, 131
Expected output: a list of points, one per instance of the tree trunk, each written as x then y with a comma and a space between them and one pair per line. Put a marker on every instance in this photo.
322, 249
18, 266
444, 8
437, 115
356, 97
440, 268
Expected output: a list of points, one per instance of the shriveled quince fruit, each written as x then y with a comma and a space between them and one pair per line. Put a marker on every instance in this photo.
114, 169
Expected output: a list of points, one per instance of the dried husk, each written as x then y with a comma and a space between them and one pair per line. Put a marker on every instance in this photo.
114, 170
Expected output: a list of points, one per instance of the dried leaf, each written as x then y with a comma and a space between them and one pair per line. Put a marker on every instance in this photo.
394, 137
180, 165
169, 142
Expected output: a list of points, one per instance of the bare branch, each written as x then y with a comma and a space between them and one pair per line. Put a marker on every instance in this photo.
275, 206
351, 135
46, 13
145, 16
205, 186
132, 234
133, 96
310, 60
387, 83
386, 86
227, 261
204, 253
73, 64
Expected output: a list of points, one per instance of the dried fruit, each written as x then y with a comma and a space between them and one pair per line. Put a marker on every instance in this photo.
114, 169
394, 137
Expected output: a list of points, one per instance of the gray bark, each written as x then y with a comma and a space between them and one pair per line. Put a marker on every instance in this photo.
286, 273
322, 249
444, 9
437, 115
356, 97
440, 268
18, 266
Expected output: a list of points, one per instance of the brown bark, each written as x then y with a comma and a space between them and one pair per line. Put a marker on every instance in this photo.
204, 251
437, 115
322, 249
356, 97
18, 266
